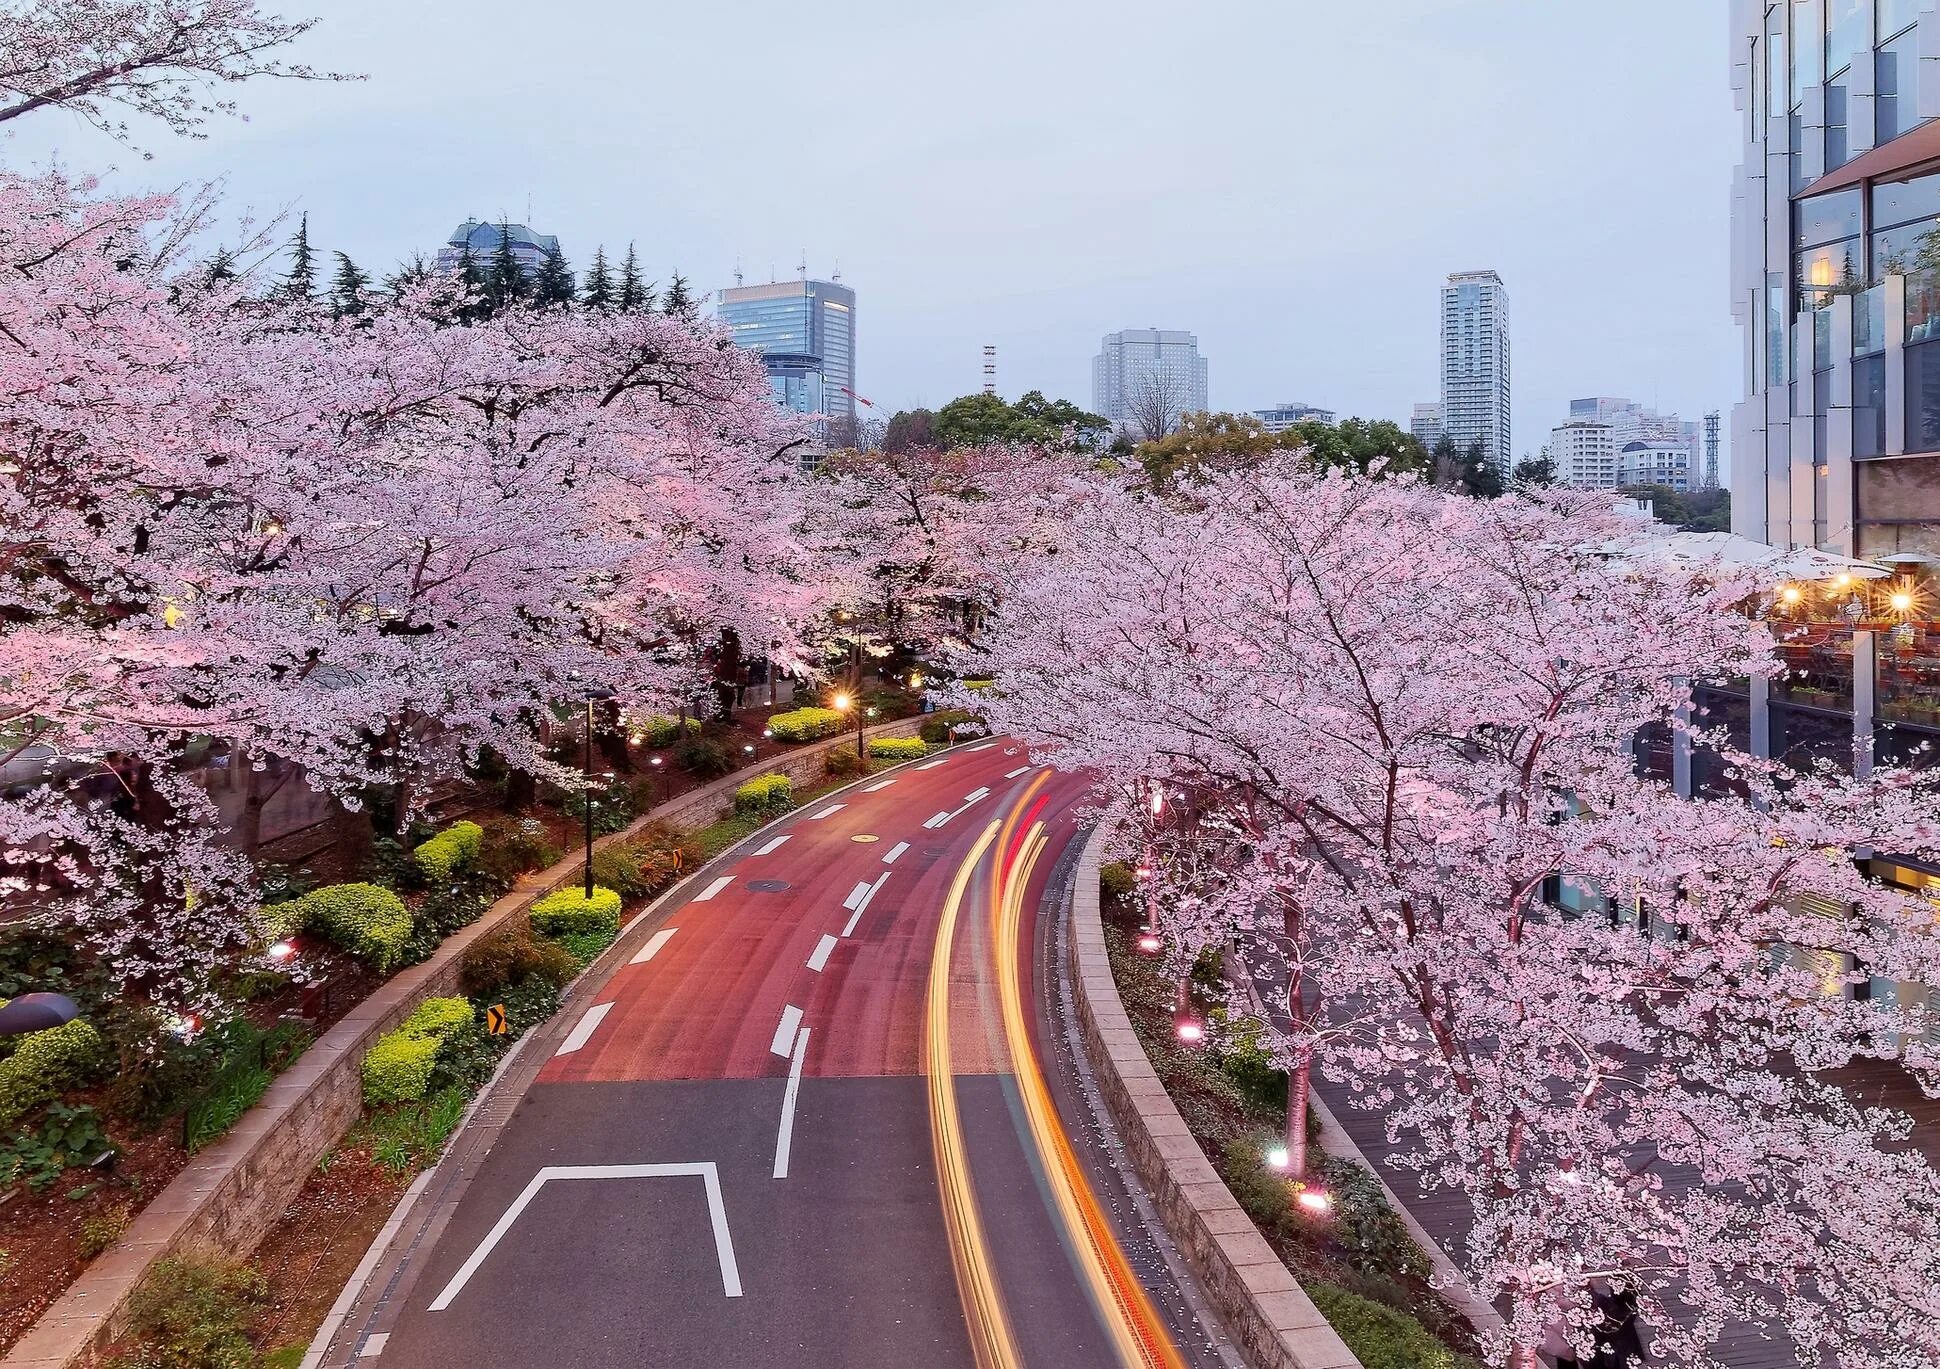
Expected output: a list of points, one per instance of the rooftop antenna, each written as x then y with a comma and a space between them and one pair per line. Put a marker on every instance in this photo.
528, 209
737, 272
837, 276
803, 268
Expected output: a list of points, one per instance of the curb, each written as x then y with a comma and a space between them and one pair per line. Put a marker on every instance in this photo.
227, 1198
1252, 1289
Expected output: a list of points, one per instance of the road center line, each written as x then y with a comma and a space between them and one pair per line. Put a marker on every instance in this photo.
890, 857
820, 958
1020, 770
985, 747
785, 1138
774, 845
583, 1033
931, 765
652, 948
713, 889
863, 906
937, 819
833, 808
856, 895
878, 786
791, 1018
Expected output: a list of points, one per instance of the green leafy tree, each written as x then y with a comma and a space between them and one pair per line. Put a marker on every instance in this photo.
1691, 510
909, 429
348, 287
680, 302
972, 421
598, 291
1535, 471
1224, 442
300, 281
978, 419
1061, 420
635, 293
554, 282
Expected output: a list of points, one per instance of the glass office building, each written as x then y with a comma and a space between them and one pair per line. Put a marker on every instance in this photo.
1835, 255
1475, 364
805, 332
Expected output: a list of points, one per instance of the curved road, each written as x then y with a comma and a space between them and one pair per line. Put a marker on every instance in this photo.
816, 1117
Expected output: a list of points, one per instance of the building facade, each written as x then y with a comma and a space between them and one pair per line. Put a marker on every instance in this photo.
1425, 422
530, 248
1835, 210
1475, 364
1655, 461
805, 332
1148, 377
1631, 422
1284, 415
1584, 453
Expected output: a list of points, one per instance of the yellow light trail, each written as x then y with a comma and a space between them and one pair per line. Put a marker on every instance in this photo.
1138, 1335
991, 1338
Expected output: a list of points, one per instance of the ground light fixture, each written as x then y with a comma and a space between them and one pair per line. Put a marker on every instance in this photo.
282, 951
1150, 942
1311, 1199
1190, 1029
1277, 1157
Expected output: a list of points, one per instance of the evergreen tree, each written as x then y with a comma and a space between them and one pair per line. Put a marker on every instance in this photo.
300, 283
1480, 478
409, 274
554, 283
222, 267
598, 293
505, 283
635, 293
680, 302
1535, 471
347, 290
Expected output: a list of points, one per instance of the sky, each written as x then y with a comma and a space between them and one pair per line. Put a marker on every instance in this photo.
1289, 180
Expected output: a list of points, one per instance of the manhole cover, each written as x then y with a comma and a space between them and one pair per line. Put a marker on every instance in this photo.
767, 886
864, 837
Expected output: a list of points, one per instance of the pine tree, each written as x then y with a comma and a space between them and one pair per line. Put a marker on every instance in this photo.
680, 302
554, 283
222, 267
408, 275
1480, 478
635, 293
470, 273
598, 293
347, 290
505, 283
301, 281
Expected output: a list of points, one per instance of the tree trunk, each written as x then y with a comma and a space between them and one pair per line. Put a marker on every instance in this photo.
1299, 1087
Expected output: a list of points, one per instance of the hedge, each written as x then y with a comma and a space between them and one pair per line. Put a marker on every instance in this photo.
44, 1065
765, 794
1380, 1336
806, 724
450, 851
570, 911
936, 727
658, 730
899, 748
398, 1068
367, 920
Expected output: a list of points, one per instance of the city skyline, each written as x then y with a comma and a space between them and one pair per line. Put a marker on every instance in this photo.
1295, 296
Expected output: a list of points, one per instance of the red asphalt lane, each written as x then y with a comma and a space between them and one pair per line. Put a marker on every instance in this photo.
708, 1005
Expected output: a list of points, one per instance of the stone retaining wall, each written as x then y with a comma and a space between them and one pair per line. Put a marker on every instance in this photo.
1248, 1284
229, 1196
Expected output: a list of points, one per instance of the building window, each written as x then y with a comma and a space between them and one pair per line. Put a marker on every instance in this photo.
1775, 329
1838, 139
1808, 48
1845, 33
1896, 15
1894, 107
1829, 218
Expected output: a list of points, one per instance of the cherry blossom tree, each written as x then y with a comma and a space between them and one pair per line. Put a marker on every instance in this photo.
155, 59
1405, 714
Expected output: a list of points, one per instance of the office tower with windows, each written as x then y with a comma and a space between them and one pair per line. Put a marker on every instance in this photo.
528, 247
1144, 380
1836, 234
805, 332
1475, 364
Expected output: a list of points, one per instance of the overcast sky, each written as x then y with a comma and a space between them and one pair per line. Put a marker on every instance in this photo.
1288, 179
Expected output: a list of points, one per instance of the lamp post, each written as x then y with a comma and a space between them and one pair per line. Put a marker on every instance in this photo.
594, 693
844, 704
659, 768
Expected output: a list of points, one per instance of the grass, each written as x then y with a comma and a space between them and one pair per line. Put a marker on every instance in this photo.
285, 1356
408, 1136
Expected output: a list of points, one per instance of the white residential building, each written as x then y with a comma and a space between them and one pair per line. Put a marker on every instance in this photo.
1660, 461
1475, 364
1287, 413
1584, 453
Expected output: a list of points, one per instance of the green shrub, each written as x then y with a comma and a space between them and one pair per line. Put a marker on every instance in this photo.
46, 1064
899, 748
194, 1314
512, 846
1116, 882
806, 724
1256, 1186
1244, 1059
703, 757
570, 911
399, 1067
644, 865
449, 852
511, 956
840, 763
613, 807
586, 947
104, 1228
1382, 1337
466, 1059
1366, 1227
67, 1136
367, 920
936, 727
530, 1002
657, 730
409, 1136
765, 794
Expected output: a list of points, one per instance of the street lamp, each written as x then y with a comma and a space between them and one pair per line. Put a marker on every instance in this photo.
843, 704
594, 694
659, 769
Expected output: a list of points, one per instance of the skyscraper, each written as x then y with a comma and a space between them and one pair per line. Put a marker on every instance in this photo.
1837, 443
805, 332
1475, 364
1144, 380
